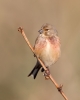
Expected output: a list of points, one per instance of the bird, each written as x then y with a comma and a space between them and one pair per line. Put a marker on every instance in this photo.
47, 48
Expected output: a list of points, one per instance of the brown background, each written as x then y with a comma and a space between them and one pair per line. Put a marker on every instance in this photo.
16, 59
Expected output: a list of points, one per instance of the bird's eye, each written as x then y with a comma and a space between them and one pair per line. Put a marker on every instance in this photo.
46, 29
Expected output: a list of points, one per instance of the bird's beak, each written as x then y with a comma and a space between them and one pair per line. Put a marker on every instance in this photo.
40, 31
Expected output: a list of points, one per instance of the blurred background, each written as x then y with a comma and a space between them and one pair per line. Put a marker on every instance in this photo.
16, 59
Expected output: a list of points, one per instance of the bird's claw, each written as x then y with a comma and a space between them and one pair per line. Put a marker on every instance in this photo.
47, 73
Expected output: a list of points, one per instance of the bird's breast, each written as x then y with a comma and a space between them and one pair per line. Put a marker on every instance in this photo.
47, 50
50, 54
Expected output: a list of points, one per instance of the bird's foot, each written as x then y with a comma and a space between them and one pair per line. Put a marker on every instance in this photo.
47, 73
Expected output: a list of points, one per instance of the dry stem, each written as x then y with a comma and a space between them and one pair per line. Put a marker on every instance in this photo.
59, 87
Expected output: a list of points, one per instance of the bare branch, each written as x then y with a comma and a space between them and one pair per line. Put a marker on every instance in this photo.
59, 87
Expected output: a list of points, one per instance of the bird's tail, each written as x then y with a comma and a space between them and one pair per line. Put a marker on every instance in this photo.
35, 70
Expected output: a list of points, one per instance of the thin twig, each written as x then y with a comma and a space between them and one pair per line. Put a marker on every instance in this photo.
59, 87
